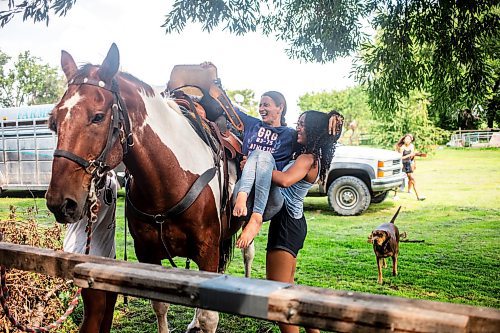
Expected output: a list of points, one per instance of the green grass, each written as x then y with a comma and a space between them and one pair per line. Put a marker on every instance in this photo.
458, 262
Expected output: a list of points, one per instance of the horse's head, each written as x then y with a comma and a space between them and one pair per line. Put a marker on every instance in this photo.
91, 128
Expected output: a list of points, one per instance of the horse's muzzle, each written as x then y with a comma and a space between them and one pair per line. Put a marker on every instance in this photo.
65, 212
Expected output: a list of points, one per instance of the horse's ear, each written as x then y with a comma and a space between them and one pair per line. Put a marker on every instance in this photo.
68, 65
110, 65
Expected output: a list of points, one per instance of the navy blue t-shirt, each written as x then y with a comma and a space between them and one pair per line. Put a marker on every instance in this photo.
279, 141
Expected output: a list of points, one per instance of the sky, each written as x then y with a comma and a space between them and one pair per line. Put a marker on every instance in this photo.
251, 61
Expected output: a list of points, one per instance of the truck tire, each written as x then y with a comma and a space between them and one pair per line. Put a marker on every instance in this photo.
378, 197
348, 196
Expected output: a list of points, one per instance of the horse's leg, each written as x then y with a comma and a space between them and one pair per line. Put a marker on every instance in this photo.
206, 321
161, 309
107, 320
94, 305
248, 256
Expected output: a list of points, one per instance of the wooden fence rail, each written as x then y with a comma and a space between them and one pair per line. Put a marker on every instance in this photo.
308, 306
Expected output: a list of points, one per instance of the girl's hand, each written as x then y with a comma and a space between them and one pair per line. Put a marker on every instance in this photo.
243, 162
335, 124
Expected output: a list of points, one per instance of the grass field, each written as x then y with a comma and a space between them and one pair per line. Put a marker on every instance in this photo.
458, 262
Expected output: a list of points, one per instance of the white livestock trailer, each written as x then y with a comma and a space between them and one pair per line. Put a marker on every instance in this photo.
26, 147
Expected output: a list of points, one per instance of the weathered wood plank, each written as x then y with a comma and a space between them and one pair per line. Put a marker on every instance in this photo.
57, 263
323, 308
347, 313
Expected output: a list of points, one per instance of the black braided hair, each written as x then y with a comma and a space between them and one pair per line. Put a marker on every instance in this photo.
319, 142
278, 99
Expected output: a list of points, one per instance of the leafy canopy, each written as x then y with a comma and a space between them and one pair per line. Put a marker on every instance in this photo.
306, 25
27, 81
446, 49
352, 103
249, 102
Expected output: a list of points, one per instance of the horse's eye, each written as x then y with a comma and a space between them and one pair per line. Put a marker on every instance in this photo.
98, 118
53, 126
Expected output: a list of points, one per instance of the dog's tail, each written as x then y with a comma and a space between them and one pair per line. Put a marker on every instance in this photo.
395, 215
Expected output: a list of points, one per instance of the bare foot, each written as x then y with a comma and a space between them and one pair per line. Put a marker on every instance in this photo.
251, 230
240, 207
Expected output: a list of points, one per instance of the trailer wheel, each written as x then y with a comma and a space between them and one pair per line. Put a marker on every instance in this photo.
348, 196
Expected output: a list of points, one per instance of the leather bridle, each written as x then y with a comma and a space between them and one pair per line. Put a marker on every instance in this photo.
119, 128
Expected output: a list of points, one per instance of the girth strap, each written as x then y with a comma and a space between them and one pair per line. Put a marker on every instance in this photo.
177, 209
182, 205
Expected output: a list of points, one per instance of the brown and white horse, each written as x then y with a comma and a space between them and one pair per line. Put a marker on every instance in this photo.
106, 117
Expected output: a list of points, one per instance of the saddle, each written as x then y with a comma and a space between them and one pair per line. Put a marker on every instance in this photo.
198, 88
202, 82
198, 92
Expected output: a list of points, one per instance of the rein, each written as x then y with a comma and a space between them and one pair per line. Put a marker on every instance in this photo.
182, 205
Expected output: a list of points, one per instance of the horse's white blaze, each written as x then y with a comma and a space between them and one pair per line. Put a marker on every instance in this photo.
70, 104
175, 132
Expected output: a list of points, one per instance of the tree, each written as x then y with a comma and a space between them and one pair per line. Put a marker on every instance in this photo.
28, 81
37, 10
447, 49
4, 93
249, 101
352, 103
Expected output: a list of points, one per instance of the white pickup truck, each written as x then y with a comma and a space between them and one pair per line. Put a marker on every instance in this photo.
359, 176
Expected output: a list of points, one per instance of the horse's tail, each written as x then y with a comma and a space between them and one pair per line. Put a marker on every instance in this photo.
226, 252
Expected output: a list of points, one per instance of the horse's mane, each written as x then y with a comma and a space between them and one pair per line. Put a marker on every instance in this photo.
146, 87
83, 72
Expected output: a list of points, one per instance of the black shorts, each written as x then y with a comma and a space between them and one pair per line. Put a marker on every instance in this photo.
286, 233
407, 167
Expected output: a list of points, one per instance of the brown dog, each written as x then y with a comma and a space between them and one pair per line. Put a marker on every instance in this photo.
385, 240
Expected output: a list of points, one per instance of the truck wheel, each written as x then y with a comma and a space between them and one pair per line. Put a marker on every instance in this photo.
378, 197
348, 196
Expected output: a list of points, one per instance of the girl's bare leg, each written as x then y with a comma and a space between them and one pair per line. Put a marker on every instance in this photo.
250, 231
411, 180
280, 266
240, 206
